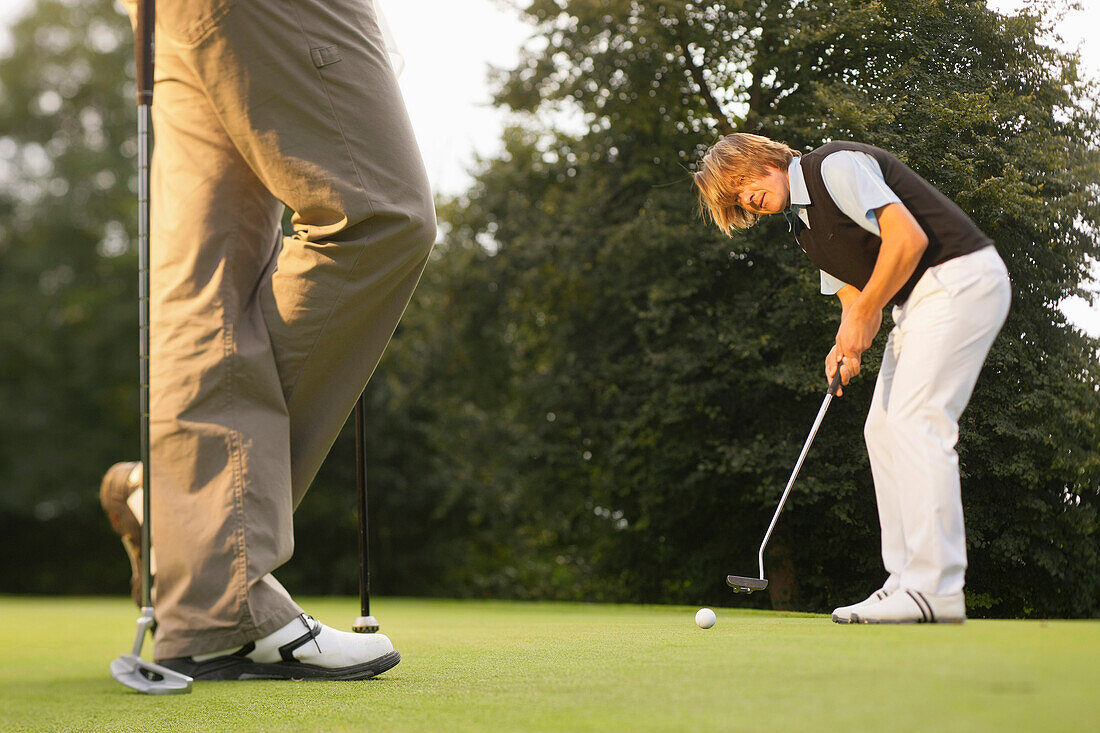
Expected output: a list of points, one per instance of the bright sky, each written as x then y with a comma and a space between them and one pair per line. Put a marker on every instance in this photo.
449, 45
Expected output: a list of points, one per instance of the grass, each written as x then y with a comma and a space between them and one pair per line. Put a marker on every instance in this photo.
488, 665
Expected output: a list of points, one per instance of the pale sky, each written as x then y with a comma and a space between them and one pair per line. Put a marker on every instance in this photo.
449, 45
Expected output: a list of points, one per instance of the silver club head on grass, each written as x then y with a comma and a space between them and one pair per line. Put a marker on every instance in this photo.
144, 676
149, 678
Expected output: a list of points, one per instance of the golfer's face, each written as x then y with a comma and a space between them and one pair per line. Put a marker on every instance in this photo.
766, 195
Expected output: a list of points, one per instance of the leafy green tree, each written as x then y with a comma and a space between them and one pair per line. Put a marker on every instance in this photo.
593, 394
68, 288
659, 380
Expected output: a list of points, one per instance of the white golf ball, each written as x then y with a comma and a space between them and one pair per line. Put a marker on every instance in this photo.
705, 618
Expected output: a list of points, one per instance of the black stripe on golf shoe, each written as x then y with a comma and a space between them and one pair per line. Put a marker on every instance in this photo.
920, 606
286, 651
928, 605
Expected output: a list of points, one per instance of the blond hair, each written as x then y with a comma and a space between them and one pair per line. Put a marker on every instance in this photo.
730, 163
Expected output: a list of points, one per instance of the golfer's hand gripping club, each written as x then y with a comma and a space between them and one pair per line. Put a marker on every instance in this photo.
834, 384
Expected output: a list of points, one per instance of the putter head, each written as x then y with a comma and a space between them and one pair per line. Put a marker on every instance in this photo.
365, 625
152, 679
745, 585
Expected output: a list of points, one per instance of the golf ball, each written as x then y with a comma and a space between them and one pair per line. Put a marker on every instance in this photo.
705, 618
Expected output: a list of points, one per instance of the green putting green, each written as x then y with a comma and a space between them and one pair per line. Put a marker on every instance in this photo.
496, 665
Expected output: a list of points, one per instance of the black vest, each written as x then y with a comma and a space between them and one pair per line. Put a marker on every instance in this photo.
845, 250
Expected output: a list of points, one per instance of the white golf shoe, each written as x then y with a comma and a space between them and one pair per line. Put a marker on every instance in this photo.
914, 607
843, 615
304, 649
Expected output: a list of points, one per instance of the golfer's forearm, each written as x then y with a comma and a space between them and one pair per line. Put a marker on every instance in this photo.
848, 296
903, 243
894, 267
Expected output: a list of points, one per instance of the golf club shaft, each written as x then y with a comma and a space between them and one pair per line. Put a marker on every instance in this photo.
833, 386
130, 669
143, 53
361, 485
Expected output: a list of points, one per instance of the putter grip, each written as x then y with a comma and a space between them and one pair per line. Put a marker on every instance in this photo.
835, 384
143, 50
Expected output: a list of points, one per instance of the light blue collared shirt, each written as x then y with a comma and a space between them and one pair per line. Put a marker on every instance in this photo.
800, 195
855, 183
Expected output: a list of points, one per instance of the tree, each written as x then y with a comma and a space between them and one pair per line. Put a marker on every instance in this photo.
660, 379
68, 288
594, 395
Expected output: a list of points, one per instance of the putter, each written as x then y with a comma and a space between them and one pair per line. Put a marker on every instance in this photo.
741, 584
130, 669
365, 624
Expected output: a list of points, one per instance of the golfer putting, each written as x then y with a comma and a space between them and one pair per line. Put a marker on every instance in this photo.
258, 344
880, 234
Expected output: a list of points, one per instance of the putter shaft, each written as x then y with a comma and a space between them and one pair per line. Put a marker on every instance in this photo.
130, 669
748, 585
365, 624
794, 474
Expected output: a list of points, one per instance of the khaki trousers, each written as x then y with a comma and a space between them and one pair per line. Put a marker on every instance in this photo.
931, 363
260, 344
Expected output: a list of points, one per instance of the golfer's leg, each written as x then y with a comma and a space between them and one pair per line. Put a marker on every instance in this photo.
220, 476
948, 331
880, 444
316, 111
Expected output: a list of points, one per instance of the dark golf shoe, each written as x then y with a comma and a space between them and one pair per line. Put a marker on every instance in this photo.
118, 485
304, 649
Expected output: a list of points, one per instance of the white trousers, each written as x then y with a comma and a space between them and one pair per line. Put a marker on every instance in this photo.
932, 359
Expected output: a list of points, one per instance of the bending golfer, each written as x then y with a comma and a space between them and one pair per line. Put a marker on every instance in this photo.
260, 344
881, 234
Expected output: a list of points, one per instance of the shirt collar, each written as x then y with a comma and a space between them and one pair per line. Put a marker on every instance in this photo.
800, 195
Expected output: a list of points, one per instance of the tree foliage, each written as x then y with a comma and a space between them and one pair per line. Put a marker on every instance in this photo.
660, 379
68, 285
594, 395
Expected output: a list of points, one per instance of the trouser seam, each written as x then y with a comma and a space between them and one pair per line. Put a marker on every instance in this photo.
229, 358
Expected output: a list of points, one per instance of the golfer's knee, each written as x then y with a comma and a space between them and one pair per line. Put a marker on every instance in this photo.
875, 428
410, 226
421, 227
390, 241
927, 430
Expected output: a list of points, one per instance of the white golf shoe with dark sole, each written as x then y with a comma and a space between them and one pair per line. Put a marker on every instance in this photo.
304, 649
907, 606
843, 615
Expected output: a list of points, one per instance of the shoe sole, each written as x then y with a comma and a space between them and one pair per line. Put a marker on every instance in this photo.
881, 622
839, 620
229, 668
114, 490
